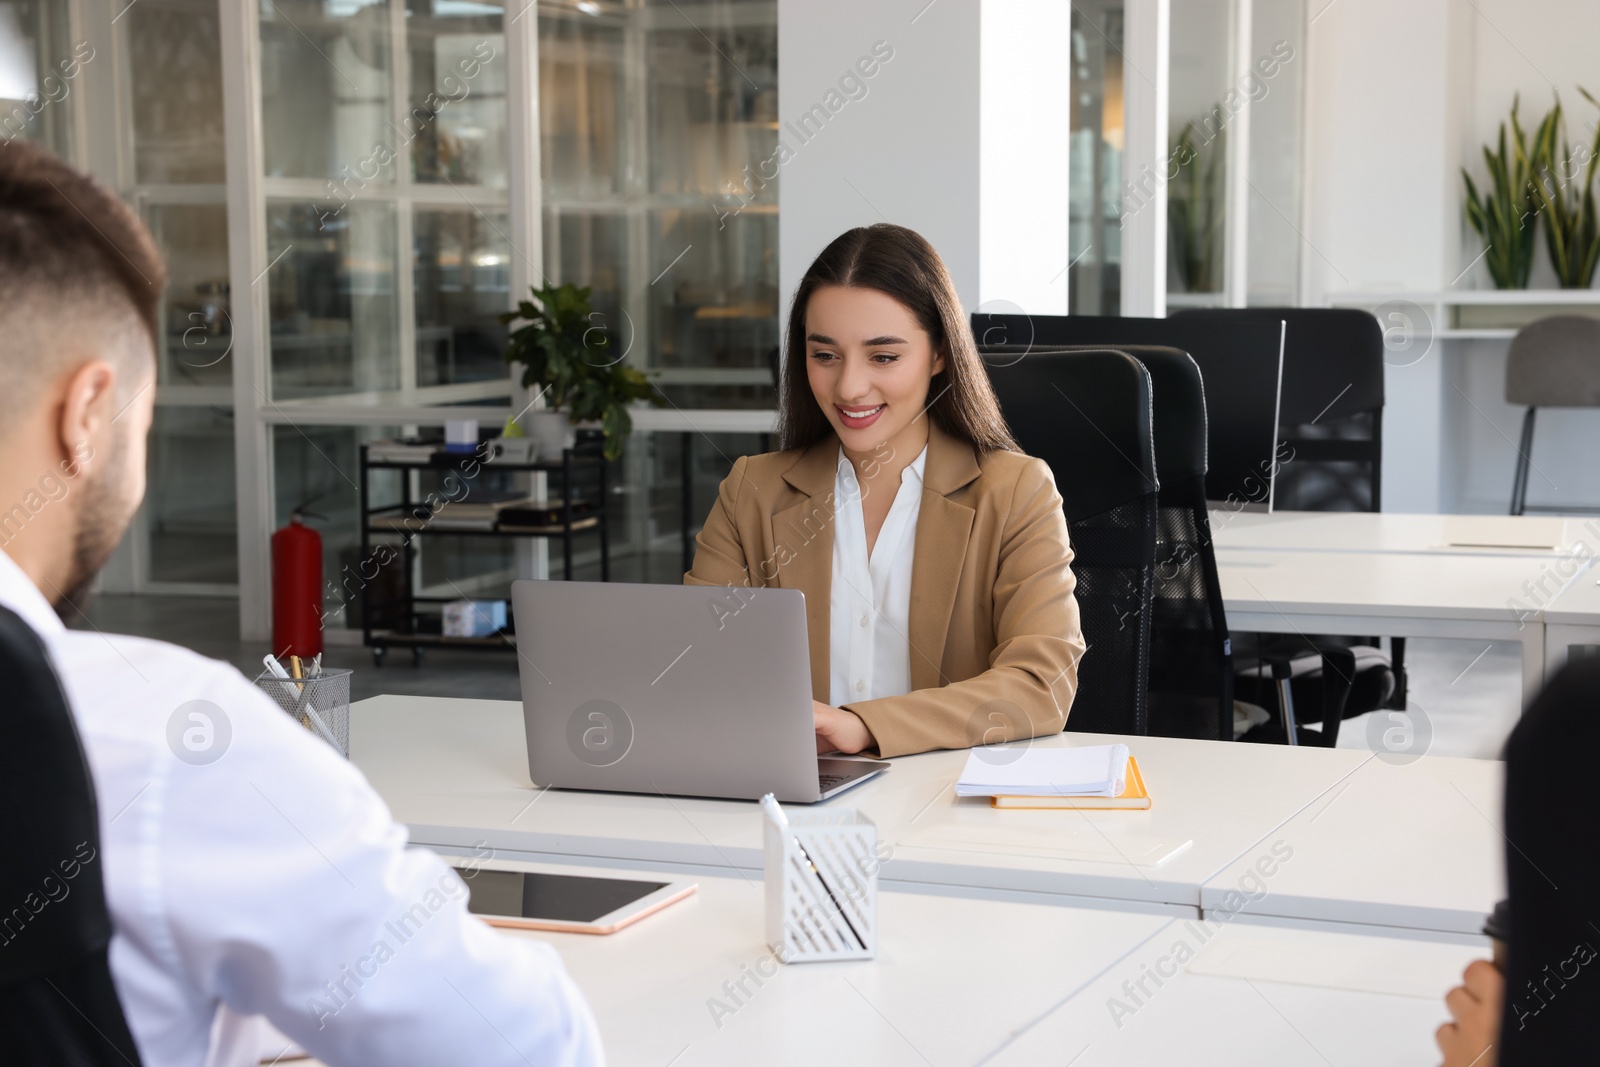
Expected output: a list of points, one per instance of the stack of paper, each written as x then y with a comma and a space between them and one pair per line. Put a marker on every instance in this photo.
1097, 771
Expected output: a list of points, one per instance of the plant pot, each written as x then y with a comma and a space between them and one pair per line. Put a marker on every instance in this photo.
552, 430
554, 433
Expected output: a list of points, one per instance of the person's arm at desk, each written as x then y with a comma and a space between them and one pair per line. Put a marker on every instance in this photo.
286, 890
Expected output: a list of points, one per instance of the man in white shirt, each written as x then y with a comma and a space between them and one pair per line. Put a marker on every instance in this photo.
250, 872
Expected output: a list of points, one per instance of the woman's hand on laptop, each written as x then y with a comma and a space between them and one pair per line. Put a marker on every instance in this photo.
839, 730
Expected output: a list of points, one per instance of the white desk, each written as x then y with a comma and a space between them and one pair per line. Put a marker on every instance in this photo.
1572, 618
952, 979
1394, 594
1416, 846
1257, 995
1533, 536
455, 771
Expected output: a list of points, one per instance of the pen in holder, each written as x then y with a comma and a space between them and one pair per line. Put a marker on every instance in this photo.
320, 702
821, 875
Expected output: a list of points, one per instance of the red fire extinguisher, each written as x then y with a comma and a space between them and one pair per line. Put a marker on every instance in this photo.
297, 589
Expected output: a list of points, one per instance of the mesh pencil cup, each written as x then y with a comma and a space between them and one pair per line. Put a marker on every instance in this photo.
321, 704
821, 873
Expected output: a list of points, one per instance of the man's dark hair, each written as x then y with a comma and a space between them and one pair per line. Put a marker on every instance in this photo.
78, 271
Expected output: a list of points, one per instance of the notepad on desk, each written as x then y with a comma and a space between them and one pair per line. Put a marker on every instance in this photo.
1134, 797
1100, 776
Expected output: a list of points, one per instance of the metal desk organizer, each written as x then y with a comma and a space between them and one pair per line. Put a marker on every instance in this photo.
821, 874
321, 704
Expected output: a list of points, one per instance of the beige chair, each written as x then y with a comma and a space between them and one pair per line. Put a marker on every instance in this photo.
1553, 363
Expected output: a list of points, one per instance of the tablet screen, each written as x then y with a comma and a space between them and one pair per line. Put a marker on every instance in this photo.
562, 897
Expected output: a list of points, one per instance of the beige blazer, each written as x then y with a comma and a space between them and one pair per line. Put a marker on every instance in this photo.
994, 638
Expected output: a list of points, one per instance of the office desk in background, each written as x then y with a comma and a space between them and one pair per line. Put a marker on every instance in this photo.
1531, 536
1393, 594
1397, 846
455, 771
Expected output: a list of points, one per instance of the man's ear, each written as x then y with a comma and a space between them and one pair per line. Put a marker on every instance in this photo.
88, 408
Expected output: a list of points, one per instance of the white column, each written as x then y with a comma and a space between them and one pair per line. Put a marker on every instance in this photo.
1236, 219
247, 265
1024, 128
1377, 221
949, 118
1144, 160
526, 196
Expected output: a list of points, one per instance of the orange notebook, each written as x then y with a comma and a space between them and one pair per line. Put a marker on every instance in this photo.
1134, 797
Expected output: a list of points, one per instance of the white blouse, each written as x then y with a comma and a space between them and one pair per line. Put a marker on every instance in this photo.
869, 646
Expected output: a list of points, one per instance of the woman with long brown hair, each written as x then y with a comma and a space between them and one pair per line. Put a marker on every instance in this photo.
932, 553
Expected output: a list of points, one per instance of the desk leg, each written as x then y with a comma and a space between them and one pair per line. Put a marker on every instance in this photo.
1558, 640
1533, 661
686, 469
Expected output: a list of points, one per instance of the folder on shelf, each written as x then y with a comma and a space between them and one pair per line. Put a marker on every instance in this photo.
1134, 797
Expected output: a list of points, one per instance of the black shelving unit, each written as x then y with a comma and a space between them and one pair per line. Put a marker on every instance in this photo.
581, 470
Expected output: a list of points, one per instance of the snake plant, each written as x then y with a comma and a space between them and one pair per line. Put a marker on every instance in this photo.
1504, 214
1563, 185
1194, 214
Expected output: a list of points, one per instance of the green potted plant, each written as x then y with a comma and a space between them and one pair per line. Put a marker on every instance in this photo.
570, 358
1563, 185
1194, 214
1504, 214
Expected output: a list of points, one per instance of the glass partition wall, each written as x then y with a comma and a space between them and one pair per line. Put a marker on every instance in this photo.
651, 116
1228, 162
361, 160
1094, 282
1235, 117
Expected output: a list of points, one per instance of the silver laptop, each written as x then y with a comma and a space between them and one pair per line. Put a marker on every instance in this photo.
669, 689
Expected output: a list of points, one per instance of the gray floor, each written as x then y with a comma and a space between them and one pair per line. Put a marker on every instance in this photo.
210, 626
1466, 694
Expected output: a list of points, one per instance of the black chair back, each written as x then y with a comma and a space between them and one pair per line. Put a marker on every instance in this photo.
1191, 657
1330, 413
57, 1002
1087, 414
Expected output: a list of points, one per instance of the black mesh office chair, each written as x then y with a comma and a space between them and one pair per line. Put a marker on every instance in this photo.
57, 1003
1087, 414
1330, 416
1191, 656
1330, 427
1191, 663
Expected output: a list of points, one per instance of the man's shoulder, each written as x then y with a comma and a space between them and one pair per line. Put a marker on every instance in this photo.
135, 687
139, 667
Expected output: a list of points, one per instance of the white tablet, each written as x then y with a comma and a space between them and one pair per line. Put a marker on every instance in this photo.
535, 900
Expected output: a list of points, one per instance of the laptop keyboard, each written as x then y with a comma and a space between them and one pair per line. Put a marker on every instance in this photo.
828, 781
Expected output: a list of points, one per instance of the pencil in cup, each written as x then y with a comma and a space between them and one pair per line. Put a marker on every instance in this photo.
320, 702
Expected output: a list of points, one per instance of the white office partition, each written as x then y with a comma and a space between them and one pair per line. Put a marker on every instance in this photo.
1145, 160
951, 119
